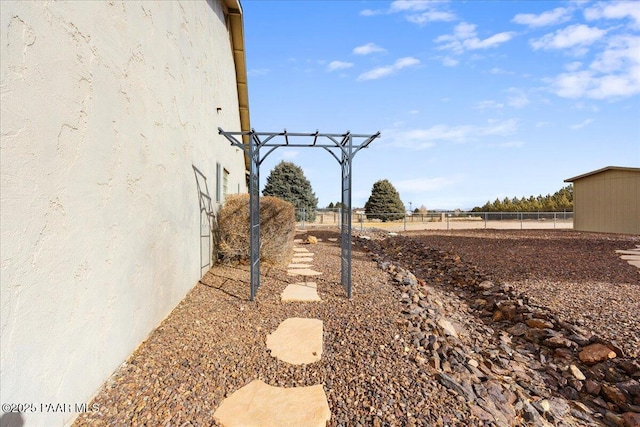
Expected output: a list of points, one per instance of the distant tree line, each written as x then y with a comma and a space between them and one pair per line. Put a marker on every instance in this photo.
560, 201
337, 205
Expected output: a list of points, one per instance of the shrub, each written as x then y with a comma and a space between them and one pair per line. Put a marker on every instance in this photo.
277, 229
384, 202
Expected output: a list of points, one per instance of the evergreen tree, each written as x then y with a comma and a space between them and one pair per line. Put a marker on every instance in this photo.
384, 202
561, 200
287, 181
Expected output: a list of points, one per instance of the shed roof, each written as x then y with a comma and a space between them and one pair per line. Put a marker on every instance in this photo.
607, 168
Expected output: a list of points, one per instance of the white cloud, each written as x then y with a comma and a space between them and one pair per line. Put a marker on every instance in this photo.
448, 61
573, 85
465, 38
418, 12
615, 10
581, 125
420, 139
411, 5
338, 65
615, 72
622, 52
495, 127
380, 72
551, 17
370, 12
431, 16
518, 98
368, 48
573, 66
488, 104
569, 37
414, 112
496, 70
406, 62
494, 40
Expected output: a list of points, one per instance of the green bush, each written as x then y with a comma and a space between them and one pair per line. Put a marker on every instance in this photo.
287, 181
384, 202
277, 229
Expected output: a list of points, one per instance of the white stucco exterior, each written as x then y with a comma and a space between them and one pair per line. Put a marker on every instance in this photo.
106, 107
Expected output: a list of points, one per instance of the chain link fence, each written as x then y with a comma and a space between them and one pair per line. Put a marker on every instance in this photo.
445, 220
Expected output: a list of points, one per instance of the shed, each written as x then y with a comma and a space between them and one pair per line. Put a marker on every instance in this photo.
607, 200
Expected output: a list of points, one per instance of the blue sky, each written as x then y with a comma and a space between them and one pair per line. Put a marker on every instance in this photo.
474, 100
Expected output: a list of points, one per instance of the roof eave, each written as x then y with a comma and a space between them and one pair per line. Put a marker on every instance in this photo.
239, 58
606, 168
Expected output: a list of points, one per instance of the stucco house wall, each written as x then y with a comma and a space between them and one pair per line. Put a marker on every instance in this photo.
607, 200
106, 109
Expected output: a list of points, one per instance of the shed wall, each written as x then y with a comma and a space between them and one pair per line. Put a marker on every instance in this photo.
608, 202
106, 109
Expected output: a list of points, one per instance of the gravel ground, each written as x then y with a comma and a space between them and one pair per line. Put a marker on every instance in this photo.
213, 343
577, 275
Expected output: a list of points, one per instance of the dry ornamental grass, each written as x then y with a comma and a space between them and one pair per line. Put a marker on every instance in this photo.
277, 228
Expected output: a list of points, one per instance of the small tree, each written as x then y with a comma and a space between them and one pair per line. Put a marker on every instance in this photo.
287, 181
384, 202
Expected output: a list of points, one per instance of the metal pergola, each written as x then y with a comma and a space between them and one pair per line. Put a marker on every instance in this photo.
343, 147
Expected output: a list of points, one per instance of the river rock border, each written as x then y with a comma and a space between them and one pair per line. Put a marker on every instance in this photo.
511, 361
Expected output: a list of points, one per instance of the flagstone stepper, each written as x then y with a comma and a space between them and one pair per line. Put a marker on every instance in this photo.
301, 292
297, 341
307, 254
303, 272
299, 266
259, 404
301, 260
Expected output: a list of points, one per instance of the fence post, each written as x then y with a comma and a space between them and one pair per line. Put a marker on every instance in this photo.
521, 220
485, 220
554, 220
405, 221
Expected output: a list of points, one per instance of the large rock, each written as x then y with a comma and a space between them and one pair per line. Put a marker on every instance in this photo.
631, 419
539, 323
595, 353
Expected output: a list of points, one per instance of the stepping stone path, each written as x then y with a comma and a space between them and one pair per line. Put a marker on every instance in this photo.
296, 341
301, 292
259, 404
632, 256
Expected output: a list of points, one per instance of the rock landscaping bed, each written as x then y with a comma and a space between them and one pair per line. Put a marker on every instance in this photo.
512, 359
434, 336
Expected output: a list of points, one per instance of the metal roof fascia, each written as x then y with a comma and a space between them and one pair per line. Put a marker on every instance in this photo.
606, 168
239, 58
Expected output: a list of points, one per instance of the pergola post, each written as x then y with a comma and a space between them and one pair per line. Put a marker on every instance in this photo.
345, 223
254, 214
